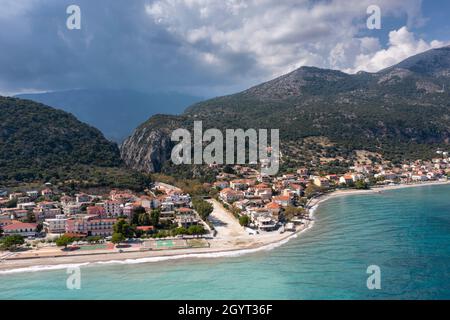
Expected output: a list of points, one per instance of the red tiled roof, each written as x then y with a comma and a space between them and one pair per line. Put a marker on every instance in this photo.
281, 198
20, 225
273, 205
75, 235
145, 228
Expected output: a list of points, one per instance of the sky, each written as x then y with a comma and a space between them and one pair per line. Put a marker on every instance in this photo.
204, 47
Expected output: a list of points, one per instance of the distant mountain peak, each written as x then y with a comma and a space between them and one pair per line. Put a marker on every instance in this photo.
434, 62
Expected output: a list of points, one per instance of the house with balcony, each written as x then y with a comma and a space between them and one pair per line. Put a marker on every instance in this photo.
91, 226
56, 226
20, 228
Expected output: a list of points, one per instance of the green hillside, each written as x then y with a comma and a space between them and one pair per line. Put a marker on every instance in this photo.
39, 143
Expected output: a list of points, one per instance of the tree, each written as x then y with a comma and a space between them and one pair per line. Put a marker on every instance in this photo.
144, 219
311, 190
64, 241
39, 227
155, 217
11, 203
244, 220
196, 230
203, 208
361, 184
31, 218
117, 238
228, 169
292, 212
235, 211
179, 231
136, 213
123, 228
12, 242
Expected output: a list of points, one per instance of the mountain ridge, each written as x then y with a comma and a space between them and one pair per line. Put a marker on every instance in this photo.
380, 112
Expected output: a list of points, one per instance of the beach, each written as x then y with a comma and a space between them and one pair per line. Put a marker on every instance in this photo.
231, 240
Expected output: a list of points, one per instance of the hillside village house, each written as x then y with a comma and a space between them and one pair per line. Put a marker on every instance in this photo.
333, 178
46, 210
15, 195
82, 198
26, 206
322, 182
240, 184
296, 188
32, 194
96, 211
274, 209
283, 201
230, 195
112, 208
14, 213
263, 191
347, 179
127, 210
71, 209
221, 185
186, 217
47, 193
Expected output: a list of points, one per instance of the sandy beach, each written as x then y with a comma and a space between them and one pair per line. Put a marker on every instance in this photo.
231, 239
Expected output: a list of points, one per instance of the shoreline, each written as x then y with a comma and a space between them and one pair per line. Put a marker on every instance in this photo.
374, 190
138, 257
219, 247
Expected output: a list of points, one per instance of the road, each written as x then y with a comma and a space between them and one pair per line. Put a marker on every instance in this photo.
226, 225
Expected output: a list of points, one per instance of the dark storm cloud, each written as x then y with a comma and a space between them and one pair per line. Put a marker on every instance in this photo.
118, 46
206, 46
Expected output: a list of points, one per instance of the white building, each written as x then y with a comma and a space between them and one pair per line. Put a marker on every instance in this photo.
57, 225
112, 208
71, 209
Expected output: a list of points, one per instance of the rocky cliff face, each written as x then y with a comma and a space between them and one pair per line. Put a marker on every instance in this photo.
150, 145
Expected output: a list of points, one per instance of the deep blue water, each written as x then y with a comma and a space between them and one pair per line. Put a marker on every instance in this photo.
405, 232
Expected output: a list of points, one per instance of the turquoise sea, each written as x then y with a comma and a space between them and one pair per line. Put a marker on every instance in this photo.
406, 232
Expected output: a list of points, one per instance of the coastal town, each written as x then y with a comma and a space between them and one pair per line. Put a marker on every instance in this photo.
243, 206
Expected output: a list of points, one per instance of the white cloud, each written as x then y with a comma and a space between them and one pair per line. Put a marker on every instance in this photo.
277, 36
402, 44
